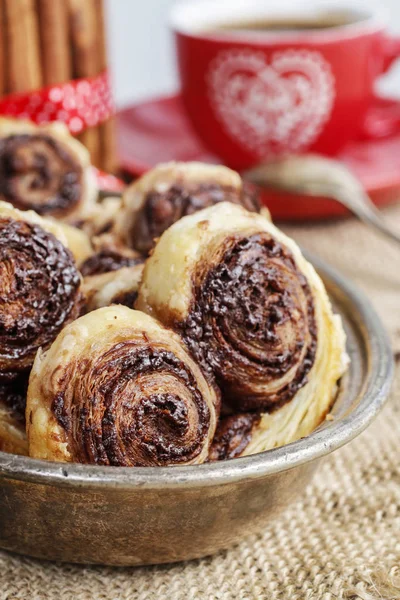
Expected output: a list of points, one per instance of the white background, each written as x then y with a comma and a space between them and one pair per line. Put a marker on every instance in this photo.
142, 55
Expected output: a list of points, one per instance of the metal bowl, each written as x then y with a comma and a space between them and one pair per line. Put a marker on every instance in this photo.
122, 516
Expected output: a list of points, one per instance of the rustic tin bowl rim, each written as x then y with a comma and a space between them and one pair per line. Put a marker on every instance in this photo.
316, 445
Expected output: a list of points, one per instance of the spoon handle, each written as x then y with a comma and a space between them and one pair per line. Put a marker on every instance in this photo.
353, 198
367, 212
321, 177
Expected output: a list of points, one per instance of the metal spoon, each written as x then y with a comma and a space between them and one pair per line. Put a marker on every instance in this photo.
314, 175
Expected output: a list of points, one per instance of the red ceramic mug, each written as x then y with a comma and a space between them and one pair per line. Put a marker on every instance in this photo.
254, 94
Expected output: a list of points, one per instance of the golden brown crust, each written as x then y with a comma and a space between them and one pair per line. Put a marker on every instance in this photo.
116, 388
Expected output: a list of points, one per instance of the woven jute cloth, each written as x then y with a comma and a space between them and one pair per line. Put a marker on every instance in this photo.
340, 540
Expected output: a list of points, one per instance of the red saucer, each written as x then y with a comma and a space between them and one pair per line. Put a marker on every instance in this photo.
158, 131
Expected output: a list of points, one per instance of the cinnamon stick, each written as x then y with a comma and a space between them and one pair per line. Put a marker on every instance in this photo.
83, 23
55, 43
107, 129
3, 50
23, 47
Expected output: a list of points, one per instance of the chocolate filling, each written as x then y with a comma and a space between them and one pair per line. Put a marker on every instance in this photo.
108, 260
126, 298
162, 209
39, 293
233, 436
252, 323
14, 396
37, 172
250, 197
132, 406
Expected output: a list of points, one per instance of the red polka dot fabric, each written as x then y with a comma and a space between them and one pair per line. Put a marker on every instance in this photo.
80, 103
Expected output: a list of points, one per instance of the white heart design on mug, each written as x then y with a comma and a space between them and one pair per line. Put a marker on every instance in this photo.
272, 106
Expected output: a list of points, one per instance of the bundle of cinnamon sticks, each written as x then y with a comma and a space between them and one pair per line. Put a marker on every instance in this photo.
47, 42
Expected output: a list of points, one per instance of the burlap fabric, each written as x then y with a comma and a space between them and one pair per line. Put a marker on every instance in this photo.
340, 540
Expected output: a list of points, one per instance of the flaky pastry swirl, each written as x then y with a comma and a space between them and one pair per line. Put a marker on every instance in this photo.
117, 388
253, 312
39, 287
43, 168
173, 190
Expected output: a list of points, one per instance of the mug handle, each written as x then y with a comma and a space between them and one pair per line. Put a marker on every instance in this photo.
383, 119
